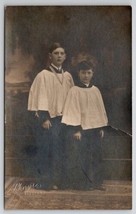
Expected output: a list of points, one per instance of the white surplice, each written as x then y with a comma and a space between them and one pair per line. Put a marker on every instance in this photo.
85, 107
48, 93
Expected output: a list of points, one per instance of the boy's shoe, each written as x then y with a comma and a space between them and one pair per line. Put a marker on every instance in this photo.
91, 189
55, 187
43, 186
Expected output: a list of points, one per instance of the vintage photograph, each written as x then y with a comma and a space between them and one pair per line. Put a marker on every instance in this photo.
68, 108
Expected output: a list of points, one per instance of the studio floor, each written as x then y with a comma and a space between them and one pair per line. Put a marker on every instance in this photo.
21, 194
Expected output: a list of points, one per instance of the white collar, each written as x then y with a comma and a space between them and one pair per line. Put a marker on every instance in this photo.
56, 66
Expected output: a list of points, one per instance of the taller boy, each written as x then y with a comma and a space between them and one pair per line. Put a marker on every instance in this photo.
46, 98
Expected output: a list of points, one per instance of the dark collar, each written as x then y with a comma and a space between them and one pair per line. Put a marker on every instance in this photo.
82, 85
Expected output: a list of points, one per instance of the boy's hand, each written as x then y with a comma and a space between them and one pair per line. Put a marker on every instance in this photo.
77, 135
101, 133
46, 124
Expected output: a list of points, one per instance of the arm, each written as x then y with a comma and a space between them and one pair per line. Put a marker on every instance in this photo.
72, 112
38, 96
44, 119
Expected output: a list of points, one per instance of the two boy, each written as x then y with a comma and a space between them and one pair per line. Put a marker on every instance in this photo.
56, 101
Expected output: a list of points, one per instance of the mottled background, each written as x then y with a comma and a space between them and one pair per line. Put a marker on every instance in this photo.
101, 31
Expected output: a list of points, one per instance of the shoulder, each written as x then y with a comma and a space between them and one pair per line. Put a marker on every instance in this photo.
44, 73
95, 88
42, 76
74, 90
66, 73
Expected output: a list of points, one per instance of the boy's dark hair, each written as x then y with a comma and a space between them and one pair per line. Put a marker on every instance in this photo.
54, 46
85, 65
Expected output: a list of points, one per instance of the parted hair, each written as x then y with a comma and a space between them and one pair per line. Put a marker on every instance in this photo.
54, 46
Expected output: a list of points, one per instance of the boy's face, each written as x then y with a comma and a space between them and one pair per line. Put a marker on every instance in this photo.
58, 56
85, 76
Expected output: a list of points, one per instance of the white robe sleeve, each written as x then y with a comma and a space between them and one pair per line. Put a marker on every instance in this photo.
72, 112
103, 116
38, 98
71, 81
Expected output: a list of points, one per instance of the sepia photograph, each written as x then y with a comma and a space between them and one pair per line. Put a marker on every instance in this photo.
68, 107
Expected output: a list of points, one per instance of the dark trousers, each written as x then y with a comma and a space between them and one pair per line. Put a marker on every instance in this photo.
84, 167
49, 161
92, 164
57, 148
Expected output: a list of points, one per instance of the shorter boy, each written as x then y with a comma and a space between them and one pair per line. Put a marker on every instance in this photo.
85, 114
